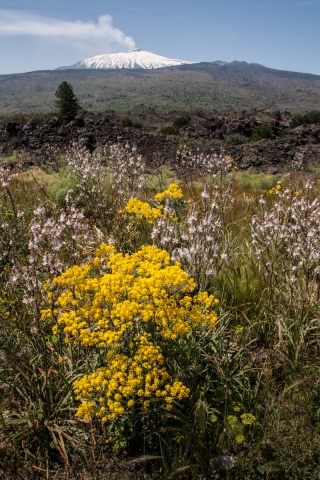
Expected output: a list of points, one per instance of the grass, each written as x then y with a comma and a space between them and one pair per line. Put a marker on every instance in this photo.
9, 160
261, 181
315, 171
160, 181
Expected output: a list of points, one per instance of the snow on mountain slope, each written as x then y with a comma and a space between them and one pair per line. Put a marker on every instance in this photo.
134, 59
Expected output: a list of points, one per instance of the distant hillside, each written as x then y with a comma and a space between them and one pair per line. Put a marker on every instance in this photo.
234, 87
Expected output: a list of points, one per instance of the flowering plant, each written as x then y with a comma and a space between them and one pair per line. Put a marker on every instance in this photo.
286, 241
189, 231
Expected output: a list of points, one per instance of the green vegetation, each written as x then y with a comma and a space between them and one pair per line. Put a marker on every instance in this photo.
182, 121
66, 103
203, 86
126, 122
9, 160
58, 188
124, 365
169, 130
260, 132
261, 181
178, 123
315, 171
235, 139
161, 180
308, 118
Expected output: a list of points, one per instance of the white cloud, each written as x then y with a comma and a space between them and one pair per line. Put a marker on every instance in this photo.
20, 23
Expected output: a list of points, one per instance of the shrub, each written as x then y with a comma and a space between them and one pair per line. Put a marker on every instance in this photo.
126, 122
307, 118
235, 139
136, 307
182, 121
58, 189
169, 131
286, 241
260, 132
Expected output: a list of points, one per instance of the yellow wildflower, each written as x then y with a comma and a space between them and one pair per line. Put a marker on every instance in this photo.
143, 210
232, 419
239, 439
141, 295
248, 418
172, 191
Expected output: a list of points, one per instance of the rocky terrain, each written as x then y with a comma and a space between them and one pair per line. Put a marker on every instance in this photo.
205, 133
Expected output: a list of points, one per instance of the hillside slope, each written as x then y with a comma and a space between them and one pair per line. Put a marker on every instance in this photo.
234, 87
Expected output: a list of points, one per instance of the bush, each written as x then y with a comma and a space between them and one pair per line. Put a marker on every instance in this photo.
126, 122
309, 118
168, 131
235, 139
58, 189
260, 132
139, 353
182, 121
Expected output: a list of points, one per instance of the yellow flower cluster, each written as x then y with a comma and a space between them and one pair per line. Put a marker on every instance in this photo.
236, 424
141, 376
232, 419
172, 191
139, 303
240, 439
143, 210
248, 418
274, 190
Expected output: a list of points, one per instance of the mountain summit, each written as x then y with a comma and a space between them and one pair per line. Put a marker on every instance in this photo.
135, 59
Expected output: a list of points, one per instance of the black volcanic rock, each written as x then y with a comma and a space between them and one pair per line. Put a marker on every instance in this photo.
205, 131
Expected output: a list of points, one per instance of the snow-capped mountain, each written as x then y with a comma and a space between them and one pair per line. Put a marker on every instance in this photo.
134, 59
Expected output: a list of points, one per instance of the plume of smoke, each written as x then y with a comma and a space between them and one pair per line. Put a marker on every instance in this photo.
15, 22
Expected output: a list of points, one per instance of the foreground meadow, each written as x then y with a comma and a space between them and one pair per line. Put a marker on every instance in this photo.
157, 327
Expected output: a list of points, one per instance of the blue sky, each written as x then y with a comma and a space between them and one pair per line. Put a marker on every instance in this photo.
42, 34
